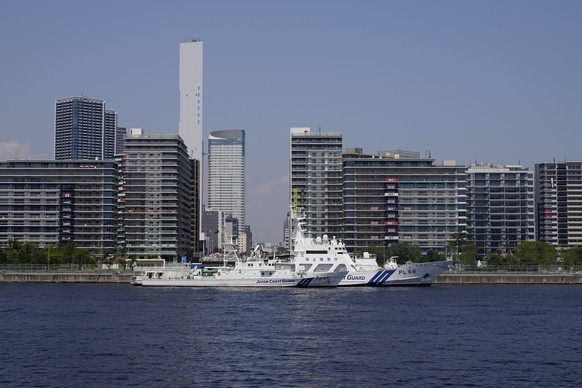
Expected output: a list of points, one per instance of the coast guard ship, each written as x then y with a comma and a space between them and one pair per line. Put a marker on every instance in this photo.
324, 254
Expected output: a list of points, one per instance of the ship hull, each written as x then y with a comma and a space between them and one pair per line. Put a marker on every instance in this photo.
416, 274
324, 280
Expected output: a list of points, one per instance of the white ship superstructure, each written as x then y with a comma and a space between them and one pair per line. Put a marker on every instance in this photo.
256, 271
324, 254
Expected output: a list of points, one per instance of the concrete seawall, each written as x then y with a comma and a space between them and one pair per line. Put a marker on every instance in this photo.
509, 278
64, 277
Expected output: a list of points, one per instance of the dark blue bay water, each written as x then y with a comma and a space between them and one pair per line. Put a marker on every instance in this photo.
75, 335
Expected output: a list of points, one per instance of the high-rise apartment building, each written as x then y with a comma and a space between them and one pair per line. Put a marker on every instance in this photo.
50, 202
226, 174
558, 198
191, 76
316, 179
84, 129
157, 197
109, 134
120, 134
399, 197
500, 208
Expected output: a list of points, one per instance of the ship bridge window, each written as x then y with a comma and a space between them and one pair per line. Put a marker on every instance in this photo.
305, 267
317, 252
323, 268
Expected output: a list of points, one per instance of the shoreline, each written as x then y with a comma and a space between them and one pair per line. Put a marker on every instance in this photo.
561, 277
66, 277
119, 277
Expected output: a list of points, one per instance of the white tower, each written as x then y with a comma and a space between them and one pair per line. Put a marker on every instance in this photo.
190, 126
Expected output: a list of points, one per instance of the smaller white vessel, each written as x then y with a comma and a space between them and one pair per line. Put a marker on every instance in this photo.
256, 271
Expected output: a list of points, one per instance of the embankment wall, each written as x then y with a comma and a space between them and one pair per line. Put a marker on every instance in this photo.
76, 277
509, 278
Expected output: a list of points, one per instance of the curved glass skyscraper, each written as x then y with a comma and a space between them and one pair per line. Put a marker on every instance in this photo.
226, 173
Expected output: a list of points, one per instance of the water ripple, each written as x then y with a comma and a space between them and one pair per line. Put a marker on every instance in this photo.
66, 335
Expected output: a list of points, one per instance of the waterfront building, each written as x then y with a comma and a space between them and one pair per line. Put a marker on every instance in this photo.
500, 208
49, 202
399, 197
121, 241
84, 129
316, 179
157, 197
226, 174
558, 199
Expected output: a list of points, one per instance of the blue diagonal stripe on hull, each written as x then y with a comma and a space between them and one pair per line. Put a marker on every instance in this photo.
385, 277
373, 280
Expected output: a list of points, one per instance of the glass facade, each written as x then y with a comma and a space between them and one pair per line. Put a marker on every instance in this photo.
226, 175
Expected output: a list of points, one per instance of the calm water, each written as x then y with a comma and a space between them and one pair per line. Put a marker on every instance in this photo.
119, 335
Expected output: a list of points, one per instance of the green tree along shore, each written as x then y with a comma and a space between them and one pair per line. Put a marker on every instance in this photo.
28, 253
463, 253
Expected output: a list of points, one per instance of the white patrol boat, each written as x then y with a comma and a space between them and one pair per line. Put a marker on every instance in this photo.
322, 254
256, 271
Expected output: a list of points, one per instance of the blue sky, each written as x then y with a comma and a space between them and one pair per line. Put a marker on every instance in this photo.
488, 81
